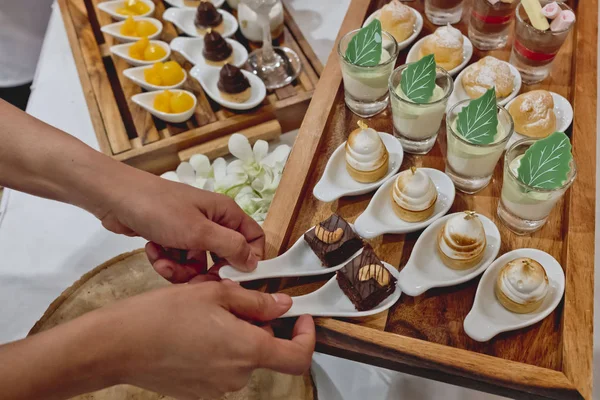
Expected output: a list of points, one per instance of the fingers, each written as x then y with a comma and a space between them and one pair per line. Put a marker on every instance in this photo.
231, 245
176, 266
255, 306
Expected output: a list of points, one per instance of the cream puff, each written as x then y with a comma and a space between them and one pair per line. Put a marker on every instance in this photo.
487, 73
397, 19
446, 45
413, 195
367, 159
522, 285
461, 241
533, 114
233, 85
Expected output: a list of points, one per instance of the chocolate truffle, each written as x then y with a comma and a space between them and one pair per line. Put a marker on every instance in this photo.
233, 85
207, 15
333, 241
215, 47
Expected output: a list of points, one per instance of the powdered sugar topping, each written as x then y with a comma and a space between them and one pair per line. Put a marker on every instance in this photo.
449, 37
398, 10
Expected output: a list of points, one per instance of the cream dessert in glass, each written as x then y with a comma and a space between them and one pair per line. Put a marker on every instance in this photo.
442, 12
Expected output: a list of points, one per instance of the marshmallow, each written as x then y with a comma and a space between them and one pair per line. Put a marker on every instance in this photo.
564, 20
551, 10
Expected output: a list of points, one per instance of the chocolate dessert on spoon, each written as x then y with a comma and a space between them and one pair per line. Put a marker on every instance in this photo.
233, 85
207, 17
216, 50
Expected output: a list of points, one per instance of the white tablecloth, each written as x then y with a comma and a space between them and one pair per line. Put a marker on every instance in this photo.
45, 246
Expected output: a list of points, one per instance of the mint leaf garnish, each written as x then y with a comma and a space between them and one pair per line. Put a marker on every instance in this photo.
418, 80
545, 164
478, 121
365, 47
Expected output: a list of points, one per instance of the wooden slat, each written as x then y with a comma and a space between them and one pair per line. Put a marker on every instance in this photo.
303, 43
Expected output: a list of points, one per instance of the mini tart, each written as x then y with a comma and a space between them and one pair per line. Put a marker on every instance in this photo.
416, 193
237, 97
397, 19
522, 285
485, 74
533, 114
461, 242
446, 44
228, 60
365, 149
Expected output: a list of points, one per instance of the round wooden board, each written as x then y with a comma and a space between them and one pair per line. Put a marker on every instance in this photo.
131, 274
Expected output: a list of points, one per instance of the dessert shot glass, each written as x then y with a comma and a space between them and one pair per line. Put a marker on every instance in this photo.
489, 24
534, 50
365, 88
469, 165
417, 125
442, 12
522, 208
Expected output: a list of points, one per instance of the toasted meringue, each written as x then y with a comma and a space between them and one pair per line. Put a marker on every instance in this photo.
461, 241
398, 19
522, 285
414, 195
446, 45
367, 158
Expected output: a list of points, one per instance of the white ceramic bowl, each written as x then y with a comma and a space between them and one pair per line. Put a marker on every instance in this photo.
413, 54
136, 75
191, 49
122, 50
146, 101
110, 7
417, 29
114, 29
183, 18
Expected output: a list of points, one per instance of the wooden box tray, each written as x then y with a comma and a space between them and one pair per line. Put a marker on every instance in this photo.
424, 335
129, 133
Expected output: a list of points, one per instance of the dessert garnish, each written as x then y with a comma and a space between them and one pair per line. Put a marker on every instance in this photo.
418, 80
164, 74
233, 85
522, 285
333, 241
365, 47
478, 121
367, 158
551, 10
133, 7
563, 21
533, 8
546, 163
173, 103
461, 242
215, 47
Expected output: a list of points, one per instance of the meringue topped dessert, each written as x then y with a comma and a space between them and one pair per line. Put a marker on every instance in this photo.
413, 195
207, 16
233, 85
533, 114
461, 241
446, 45
397, 19
485, 74
367, 158
522, 285
216, 50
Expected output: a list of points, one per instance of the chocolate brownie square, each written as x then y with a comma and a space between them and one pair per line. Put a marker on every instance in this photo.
333, 241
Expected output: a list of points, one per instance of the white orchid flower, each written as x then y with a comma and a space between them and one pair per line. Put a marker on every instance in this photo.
228, 180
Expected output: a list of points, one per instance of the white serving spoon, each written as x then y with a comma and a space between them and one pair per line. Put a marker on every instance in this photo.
192, 3
336, 182
413, 54
122, 50
191, 49
425, 269
114, 29
460, 94
564, 116
136, 75
299, 260
330, 301
110, 7
417, 29
380, 218
209, 77
146, 101
183, 18
488, 317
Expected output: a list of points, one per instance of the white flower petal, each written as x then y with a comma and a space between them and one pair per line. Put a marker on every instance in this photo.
239, 146
279, 155
209, 185
201, 165
236, 167
170, 176
260, 150
186, 173
220, 169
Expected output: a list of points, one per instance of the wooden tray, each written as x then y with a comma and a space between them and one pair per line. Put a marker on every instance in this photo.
424, 335
129, 133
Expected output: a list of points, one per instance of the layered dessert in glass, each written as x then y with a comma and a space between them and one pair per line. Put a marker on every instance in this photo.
442, 12
490, 22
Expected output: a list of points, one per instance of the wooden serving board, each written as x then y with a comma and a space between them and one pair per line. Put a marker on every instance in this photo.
424, 335
129, 133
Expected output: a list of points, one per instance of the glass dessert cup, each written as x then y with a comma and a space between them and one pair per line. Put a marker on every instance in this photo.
522, 208
442, 12
534, 50
417, 125
365, 88
276, 67
489, 24
469, 165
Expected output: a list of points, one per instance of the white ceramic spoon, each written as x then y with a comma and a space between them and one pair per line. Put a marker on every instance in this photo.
209, 77
336, 182
191, 49
380, 218
417, 29
146, 101
425, 269
299, 260
192, 3
564, 116
488, 317
122, 50
330, 301
114, 29
460, 94
183, 18
136, 75
110, 7
413, 54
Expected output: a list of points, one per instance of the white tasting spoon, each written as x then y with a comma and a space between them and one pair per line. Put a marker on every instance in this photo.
299, 260
136, 74
111, 7
336, 182
331, 301
413, 54
191, 50
114, 29
146, 101
122, 50
488, 317
416, 30
183, 18
380, 218
425, 269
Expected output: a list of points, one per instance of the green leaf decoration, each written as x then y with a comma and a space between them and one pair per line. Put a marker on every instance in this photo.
545, 164
418, 80
365, 47
478, 121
